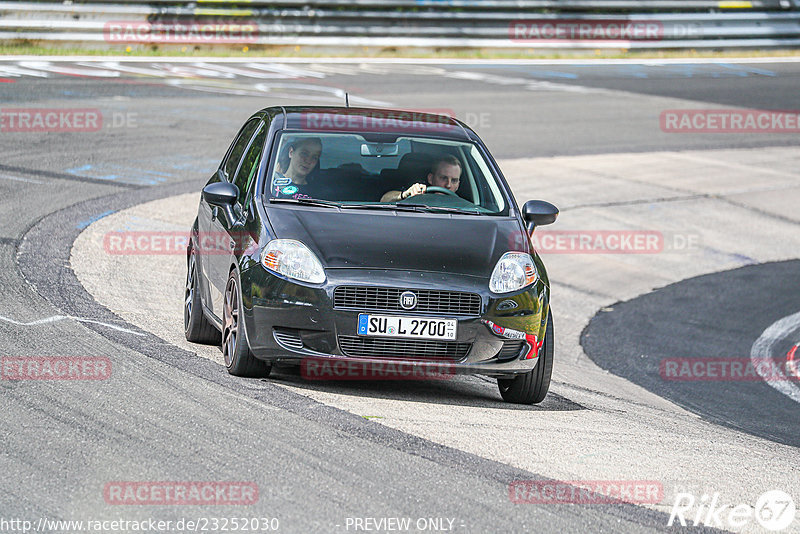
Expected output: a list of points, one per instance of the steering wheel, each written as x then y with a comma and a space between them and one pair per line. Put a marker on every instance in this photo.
437, 189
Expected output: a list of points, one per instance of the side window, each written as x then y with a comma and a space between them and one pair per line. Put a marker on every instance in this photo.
247, 170
238, 149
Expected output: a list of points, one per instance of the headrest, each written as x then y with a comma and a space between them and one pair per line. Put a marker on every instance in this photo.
416, 163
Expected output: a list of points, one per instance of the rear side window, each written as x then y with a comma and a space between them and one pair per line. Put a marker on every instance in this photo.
239, 146
247, 170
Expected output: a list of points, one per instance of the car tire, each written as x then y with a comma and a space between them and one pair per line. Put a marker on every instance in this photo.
238, 358
532, 387
197, 327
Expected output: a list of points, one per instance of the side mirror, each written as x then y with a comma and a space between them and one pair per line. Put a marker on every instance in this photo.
222, 195
539, 213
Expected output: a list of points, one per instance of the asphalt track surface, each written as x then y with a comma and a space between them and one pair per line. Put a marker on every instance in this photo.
166, 414
713, 316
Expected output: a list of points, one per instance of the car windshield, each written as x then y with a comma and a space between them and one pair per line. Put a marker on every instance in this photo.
376, 171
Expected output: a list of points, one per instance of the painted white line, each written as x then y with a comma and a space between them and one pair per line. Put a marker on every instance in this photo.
300, 91
18, 179
529, 84
56, 318
69, 71
762, 350
16, 72
430, 61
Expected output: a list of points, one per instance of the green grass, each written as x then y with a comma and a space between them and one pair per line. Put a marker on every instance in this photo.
28, 49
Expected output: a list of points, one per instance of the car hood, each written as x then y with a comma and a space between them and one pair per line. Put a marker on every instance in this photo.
465, 245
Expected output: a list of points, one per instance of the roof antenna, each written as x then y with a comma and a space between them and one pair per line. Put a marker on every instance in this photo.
347, 100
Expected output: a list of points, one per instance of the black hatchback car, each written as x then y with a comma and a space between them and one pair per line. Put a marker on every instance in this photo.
372, 236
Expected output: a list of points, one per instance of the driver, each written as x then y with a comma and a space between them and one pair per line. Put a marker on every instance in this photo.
292, 171
445, 172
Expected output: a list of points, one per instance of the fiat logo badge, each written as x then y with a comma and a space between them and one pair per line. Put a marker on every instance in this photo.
408, 300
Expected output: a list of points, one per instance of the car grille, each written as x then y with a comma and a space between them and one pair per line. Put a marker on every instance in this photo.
403, 348
388, 299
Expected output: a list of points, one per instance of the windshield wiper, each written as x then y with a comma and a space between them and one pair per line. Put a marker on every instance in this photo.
309, 201
393, 207
444, 208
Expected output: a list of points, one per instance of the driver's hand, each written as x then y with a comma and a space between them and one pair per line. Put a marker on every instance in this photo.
416, 189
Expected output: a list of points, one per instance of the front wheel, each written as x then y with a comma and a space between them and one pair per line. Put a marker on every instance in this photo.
238, 358
532, 387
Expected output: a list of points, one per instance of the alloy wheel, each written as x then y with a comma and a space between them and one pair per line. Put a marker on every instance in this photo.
230, 330
189, 295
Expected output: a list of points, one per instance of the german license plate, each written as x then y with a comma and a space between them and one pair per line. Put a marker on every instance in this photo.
414, 327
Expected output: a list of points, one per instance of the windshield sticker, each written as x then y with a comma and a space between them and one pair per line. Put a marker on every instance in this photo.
281, 181
290, 190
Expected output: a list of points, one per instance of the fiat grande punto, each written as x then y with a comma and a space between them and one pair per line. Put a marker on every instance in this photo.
372, 236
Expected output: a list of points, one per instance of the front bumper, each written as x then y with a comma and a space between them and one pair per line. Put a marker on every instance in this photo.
288, 321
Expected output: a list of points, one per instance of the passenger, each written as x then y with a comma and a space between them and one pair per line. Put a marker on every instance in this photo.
292, 170
445, 172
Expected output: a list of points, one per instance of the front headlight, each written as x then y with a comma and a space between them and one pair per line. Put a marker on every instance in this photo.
292, 259
513, 271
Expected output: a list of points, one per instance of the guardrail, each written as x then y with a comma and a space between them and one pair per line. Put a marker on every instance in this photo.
482, 5
628, 24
